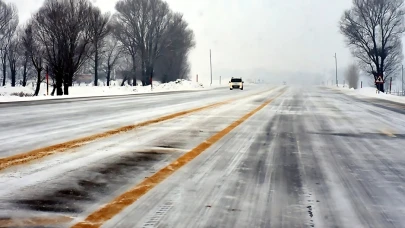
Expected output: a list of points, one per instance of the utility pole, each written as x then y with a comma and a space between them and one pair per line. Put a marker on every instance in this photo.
211, 67
403, 80
336, 69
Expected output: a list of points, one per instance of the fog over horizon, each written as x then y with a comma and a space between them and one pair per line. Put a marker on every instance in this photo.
293, 41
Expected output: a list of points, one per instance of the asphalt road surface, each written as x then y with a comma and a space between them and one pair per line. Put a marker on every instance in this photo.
268, 157
30, 125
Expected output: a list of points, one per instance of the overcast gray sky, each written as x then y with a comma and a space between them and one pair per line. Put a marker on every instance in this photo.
294, 39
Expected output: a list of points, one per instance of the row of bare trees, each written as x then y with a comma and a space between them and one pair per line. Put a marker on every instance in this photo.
156, 39
144, 39
8, 25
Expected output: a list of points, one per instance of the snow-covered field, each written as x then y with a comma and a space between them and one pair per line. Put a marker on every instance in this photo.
370, 92
20, 93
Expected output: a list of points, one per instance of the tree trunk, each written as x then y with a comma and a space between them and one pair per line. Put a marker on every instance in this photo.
13, 76
24, 81
379, 86
59, 91
123, 81
4, 73
133, 71
134, 76
134, 80
144, 76
67, 81
151, 76
25, 71
38, 83
66, 88
144, 73
12, 79
147, 76
96, 68
108, 75
164, 79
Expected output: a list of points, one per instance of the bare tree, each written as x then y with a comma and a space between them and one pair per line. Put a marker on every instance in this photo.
173, 63
127, 24
64, 32
373, 30
141, 28
14, 58
125, 68
352, 76
25, 65
155, 36
99, 29
112, 55
158, 36
8, 25
35, 51
3, 59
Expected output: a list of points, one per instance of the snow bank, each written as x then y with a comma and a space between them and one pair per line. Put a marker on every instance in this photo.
8, 93
170, 86
371, 92
16, 91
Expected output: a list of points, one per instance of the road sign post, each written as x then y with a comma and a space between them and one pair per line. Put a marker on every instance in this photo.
379, 82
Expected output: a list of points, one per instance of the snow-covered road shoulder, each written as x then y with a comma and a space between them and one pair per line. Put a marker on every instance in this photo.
10, 94
370, 92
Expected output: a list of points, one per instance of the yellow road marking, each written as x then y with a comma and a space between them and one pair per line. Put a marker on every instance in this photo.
29, 222
26, 157
105, 213
388, 132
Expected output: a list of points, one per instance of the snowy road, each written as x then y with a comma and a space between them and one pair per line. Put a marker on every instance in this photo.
34, 124
310, 157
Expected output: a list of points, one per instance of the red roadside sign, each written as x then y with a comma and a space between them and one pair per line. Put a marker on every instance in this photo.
379, 80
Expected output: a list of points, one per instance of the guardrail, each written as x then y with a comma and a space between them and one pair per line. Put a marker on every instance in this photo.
396, 93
